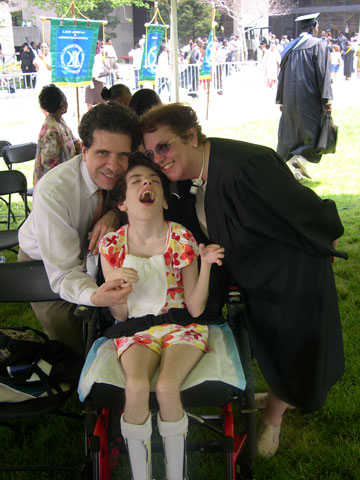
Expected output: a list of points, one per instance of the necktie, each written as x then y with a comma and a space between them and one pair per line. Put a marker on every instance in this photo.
100, 209
98, 213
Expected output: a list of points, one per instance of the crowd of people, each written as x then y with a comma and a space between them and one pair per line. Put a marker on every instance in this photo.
344, 53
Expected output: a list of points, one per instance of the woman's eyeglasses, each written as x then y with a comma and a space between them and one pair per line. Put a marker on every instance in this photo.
162, 148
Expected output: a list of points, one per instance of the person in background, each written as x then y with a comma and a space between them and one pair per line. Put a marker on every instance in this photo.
99, 72
272, 61
335, 60
143, 100
42, 64
56, 142
110, 55
163, 73
136, 53
194, 58
26, 57
117, 93
70, 215
304, 94
348, 59
358, 61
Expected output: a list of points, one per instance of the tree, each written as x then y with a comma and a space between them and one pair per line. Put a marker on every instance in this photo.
194, 18
246, 14
99, 9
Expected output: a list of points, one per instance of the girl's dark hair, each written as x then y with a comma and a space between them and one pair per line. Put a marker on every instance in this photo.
143, 100
136, 159
117, 91
50, 98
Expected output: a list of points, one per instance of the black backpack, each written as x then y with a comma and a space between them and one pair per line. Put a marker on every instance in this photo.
30, 362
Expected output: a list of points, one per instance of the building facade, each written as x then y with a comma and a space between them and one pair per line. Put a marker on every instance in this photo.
340, 16
22, 23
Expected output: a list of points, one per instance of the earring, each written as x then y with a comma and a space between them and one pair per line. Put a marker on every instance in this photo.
195, 145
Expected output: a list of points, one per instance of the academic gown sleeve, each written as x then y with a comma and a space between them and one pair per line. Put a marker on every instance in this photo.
261, 196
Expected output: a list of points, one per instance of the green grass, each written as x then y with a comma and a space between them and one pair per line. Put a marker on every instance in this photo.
321, 446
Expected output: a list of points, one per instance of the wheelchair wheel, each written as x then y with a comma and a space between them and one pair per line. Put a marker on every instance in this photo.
243, 471
248, 406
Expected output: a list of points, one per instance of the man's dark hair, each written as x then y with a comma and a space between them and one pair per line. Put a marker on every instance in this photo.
118, 194
111, 117
50, 98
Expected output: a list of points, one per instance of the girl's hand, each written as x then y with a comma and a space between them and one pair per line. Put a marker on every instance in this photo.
211, 254
129, 275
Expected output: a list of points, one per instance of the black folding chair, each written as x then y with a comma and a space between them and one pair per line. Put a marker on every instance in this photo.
20, 153
12, 181
3, 144
25, 282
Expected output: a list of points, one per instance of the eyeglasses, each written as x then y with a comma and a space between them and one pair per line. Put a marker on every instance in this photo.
162, 148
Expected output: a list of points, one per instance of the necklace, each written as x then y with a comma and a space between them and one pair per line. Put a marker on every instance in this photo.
198, 182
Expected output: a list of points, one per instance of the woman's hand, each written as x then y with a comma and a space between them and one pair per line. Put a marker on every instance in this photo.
211, 254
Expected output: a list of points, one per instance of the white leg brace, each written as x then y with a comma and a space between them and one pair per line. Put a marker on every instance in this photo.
174, 436
138, 441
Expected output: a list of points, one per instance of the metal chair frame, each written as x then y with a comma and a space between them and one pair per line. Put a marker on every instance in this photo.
12, 181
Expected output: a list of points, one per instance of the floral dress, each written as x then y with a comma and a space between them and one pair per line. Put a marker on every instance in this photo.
56, 144
160, 287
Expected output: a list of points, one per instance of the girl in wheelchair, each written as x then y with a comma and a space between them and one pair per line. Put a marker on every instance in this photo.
158, 258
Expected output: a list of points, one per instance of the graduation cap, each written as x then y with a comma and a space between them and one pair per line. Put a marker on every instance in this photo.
308, 20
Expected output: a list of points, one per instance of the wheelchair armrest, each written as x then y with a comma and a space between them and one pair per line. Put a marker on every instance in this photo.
235, 303
84, 313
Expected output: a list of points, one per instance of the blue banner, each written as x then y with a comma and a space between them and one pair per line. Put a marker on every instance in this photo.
206, 67
73, 46
154, 37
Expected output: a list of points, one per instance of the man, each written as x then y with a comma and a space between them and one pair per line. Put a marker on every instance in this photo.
66, 201
194, 58
110, 54
304, 94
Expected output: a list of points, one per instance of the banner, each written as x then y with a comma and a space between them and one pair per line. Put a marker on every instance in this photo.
206, 67
73, 46
154, 36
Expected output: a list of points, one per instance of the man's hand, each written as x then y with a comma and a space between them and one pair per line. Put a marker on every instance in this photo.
109, 222
211, 253
327, 108
111, 293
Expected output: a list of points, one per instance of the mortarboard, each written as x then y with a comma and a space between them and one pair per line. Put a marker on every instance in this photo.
307, 20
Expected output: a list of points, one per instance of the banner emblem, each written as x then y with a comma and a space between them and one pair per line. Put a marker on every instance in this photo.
72, 58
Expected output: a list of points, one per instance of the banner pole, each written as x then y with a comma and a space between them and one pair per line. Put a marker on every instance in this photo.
212, 60
77, 88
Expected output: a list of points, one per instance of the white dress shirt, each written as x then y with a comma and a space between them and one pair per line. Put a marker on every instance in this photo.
64, 203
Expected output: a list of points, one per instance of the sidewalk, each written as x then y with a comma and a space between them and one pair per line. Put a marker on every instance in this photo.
245, 98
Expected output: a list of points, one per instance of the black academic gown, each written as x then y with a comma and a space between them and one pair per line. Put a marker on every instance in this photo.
304, 86
348, 61
278, 238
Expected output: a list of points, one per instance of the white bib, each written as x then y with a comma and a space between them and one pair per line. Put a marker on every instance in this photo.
149, 294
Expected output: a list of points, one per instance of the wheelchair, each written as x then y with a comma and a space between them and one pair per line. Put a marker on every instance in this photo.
225, 409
